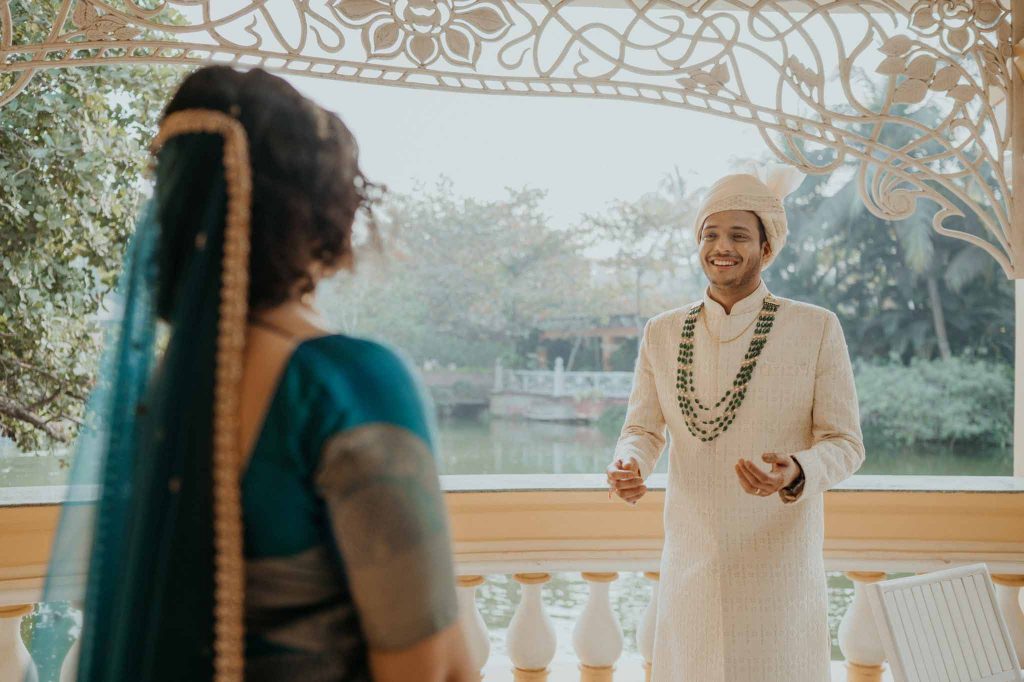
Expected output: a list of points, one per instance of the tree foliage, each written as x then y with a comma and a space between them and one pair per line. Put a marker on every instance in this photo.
901, 290
939, 401
468, 281
72, 156
645, 246
463, 281
884, 279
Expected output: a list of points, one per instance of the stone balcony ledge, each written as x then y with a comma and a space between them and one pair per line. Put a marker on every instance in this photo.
531, 526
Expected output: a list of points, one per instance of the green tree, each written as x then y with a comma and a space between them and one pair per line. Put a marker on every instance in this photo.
900, 289
463, 281
72, 157
647, 246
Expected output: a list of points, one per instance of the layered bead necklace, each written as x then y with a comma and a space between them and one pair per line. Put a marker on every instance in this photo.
700, 419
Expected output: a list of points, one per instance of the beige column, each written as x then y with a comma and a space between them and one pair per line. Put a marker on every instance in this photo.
14, 659
1008, 592
531, 634
645, 630
858, 635
478, 642
597, 637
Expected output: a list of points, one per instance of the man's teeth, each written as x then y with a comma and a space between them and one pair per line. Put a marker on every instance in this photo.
723, 262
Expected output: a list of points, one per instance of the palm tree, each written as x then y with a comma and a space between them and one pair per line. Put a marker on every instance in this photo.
899, 272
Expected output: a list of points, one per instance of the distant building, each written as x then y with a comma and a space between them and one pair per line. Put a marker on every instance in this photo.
606, 343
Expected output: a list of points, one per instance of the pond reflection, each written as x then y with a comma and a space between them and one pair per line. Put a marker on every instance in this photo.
497, 446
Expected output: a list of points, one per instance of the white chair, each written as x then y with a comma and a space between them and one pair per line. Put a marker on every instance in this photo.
944, 627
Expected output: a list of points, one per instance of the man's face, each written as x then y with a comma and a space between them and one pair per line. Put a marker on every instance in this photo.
732, 249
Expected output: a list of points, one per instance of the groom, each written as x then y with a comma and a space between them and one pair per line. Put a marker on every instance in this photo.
757, 393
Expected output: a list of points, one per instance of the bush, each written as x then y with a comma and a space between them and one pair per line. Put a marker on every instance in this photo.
937, 401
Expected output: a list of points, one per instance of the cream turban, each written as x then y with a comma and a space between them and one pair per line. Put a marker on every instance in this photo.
760, 191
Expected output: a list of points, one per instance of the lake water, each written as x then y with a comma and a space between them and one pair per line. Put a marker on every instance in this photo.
519, 447
495, 446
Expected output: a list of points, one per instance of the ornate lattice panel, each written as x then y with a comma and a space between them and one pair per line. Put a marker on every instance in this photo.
917, 94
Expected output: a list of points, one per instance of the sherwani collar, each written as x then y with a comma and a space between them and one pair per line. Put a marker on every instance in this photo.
725, 326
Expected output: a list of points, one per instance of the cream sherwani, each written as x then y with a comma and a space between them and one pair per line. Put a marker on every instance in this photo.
743, 594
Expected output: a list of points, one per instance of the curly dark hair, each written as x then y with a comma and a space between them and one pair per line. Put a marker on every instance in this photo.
307, 184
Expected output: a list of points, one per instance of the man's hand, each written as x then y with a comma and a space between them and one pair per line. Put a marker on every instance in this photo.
756, 481
624, 480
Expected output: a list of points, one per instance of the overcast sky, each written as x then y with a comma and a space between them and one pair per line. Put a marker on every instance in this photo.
583, 152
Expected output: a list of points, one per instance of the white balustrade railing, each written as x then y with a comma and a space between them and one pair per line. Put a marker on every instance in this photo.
597, 637
521, 527
533, 382
601, 384
475, 630
858, 636
598, 640
571, 384
645, 630
531, 640
1009, 593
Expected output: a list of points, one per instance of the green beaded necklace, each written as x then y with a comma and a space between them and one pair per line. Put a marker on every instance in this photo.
693, 409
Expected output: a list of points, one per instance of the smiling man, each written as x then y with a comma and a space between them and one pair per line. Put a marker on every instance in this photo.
757, 393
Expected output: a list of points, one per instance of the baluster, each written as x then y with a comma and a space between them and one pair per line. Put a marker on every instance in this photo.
645, 630
858, 635
1008, 592
15, 661
597, 637
473, 627
531, 634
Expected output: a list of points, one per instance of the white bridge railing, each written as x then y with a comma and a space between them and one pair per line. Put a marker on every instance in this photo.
560, 383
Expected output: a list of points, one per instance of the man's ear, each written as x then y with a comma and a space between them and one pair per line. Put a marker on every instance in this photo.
766, 249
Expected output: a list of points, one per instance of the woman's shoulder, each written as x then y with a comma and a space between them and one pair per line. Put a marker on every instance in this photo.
343, 350
361, 381
339, 358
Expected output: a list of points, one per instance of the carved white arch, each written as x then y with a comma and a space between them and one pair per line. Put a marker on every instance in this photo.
761, 62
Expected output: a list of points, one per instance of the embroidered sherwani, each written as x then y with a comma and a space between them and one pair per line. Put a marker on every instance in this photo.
743, 594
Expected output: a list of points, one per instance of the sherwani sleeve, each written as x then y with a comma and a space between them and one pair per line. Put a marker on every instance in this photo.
838, 449
643, 433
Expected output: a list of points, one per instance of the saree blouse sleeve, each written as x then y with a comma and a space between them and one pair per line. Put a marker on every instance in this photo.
379, 483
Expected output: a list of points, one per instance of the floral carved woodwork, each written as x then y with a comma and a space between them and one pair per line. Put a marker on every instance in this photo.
424, 29
826, 82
